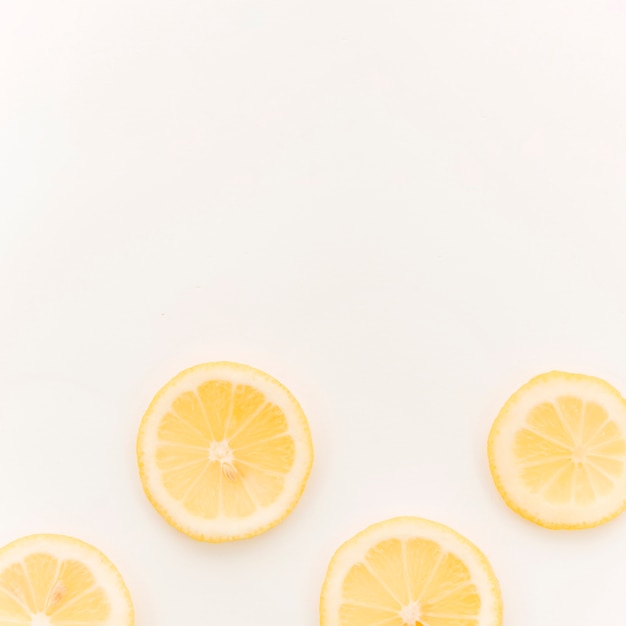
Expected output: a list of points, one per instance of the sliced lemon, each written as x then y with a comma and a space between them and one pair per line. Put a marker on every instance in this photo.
409, 571
53, 580
224, 452
557, 451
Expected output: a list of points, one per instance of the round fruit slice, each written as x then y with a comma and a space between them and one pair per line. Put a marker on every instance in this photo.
408, 571
53, 580
557, 451
224, 452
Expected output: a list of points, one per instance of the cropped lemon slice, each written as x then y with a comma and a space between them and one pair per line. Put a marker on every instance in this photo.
224, 452
408, 571
557, 451
53, 580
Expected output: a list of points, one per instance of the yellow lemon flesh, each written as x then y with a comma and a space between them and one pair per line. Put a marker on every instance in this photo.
557, 451
53, 580
224, 452
409, 571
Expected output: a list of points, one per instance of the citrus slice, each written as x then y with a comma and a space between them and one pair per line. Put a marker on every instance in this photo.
224, 452
53, 580
557, 451
409, 571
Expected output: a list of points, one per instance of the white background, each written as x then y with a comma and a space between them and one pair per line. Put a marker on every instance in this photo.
403, 210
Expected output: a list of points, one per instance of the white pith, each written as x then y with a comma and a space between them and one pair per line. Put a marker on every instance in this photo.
411, 613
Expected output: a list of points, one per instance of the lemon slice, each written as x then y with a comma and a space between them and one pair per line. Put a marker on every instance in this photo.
409, 571
557, 451
53, 580
224, 452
